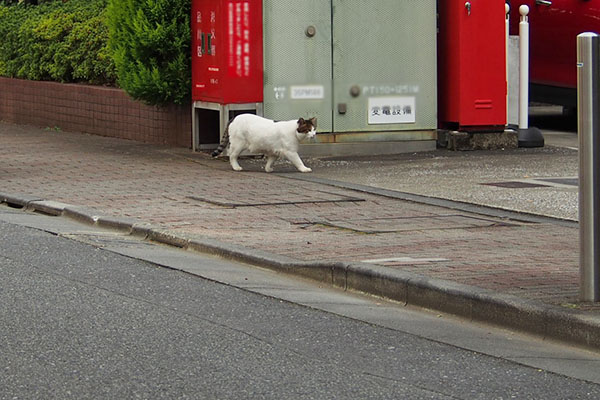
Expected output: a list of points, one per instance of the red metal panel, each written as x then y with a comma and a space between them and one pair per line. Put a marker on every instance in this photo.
472, 63
227, 51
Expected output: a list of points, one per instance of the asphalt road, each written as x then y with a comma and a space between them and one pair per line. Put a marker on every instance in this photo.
81, 321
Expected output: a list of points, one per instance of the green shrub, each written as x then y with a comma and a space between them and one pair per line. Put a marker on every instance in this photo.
68, 41
150, 41
56, 40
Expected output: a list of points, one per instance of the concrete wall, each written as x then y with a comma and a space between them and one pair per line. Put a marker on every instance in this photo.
92, 109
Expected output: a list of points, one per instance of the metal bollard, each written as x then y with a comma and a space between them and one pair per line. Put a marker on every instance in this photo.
588, 114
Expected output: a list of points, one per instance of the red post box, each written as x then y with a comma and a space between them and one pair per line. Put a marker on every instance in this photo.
472, 64
227, 55
227, 64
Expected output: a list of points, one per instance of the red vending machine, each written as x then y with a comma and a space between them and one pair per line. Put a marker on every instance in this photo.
472, 65
227, 60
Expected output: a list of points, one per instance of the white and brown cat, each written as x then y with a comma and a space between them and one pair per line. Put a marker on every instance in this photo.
261, 135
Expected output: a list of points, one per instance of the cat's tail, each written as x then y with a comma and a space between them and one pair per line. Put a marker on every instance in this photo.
224, 142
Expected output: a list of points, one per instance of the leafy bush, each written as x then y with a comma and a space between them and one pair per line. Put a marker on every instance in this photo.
150, 41
56, 40
68, 41
24, 1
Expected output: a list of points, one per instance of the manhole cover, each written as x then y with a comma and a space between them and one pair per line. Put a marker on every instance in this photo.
419, 223
515, 185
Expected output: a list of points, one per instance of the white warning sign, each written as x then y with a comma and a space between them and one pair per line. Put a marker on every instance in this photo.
392, 110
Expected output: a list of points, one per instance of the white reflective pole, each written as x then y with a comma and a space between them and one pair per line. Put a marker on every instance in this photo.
524, 68
528, 137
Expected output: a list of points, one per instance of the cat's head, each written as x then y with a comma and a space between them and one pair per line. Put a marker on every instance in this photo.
307, 127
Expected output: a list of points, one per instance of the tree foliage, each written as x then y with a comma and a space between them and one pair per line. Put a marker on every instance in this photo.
150, 43
141, 45
56, 40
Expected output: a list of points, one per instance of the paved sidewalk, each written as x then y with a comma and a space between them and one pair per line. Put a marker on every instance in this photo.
507, 268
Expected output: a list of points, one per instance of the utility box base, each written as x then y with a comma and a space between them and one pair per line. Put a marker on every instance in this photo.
207, 129
464, 141
370, 143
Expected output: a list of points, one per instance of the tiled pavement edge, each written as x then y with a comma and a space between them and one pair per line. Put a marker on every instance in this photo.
68, 161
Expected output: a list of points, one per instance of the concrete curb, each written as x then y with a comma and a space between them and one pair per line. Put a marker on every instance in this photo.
529, 316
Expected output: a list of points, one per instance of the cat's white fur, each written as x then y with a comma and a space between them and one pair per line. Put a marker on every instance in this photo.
261, 135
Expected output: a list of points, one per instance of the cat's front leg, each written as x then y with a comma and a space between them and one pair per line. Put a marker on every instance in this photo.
295, 159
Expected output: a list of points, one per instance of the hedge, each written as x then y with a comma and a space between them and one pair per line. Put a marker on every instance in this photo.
142, 46
150, 41
56, 40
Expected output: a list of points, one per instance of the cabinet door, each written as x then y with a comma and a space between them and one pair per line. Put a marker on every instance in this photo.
297, 60
206, 60
472, 62
384, 65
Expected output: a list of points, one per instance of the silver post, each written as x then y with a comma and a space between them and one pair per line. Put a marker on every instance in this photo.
589, 173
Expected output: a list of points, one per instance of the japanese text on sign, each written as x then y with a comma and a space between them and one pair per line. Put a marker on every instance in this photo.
391, 110
239, 38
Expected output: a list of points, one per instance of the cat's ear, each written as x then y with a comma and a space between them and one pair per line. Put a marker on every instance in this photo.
313, 121
301, 121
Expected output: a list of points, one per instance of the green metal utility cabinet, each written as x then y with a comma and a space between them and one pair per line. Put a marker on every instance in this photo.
365, 68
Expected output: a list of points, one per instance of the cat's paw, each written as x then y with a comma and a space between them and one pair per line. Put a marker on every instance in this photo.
305, 169
237, 168
268, 169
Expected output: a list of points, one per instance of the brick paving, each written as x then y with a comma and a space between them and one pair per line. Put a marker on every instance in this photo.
198, 197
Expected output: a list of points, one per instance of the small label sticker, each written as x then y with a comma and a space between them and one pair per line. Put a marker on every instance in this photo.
279, 92
307, 92
391, 110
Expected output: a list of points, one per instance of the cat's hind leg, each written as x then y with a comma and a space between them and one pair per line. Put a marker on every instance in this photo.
270, 160
295, 159
234, 152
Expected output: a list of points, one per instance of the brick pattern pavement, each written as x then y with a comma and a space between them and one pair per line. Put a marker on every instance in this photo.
193, 195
